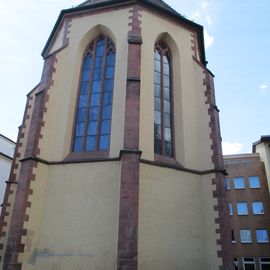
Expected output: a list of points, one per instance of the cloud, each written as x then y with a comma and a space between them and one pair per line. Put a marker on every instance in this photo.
229, 148
208, 39
202, 14
264, 87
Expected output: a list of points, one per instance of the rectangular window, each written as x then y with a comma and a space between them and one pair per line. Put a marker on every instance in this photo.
249, 263
262, 236
239, 182
233, 237
254, 182
264, 263
245, 236
228, 183
257, 208
242, 209
230, 209
236, 263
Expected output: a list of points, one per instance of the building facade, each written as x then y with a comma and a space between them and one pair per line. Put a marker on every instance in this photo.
110, 169
7, 148
249, 206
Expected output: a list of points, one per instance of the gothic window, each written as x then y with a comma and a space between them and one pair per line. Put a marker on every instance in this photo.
163, 131
94, 105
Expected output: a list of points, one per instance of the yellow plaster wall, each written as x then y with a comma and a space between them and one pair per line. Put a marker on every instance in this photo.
190, 111
176, 221
58, 129
58, 42
74, 219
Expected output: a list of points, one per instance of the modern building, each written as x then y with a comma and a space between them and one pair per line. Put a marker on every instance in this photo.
249, 206
7, 147
119, 164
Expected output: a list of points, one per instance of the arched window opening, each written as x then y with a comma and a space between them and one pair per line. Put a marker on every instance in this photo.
94, 105
163, 137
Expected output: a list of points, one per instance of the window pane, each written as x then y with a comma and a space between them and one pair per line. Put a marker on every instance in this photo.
239, 183
168, 134
257, 208
167, 120
262, 236
108, 85
84, 88
107, 98
157, 90
254, 181
91, 143
104, 142
158, 147
228, 184
111, 59
166, 81
94, 113
168, 148
86, 75
157, 130
166, 69
99, 62
245, 236
78, 144
81, 114
87, 62
157, 105
92, 128
97, 74
95, 99
230, 209
236, 264
109, 72
106, 112
105, 127
157, 117
242, 209
79, 129
96, 86
165, 59
82, 101
166, 93
157, 77
100, 50
167, 106
157, 55
157, 65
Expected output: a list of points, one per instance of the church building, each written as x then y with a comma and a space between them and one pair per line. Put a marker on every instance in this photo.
118, 163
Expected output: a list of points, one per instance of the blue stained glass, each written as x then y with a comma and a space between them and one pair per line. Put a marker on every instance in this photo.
86, 75
95, 99
101, 41
84, 88
99, 50
157, 77
108, 85
90, 143
157, 55
166, 81
94, 113
96, 87
109, 72
104, 142
82, 101
99, 62
157, 90
92, 128
77, 147
157, 65
81, 114
166, 93
105, 127
87, 62
79, 129
167, 106
111, 59
106, 112
157, 104
97, 74
107, 98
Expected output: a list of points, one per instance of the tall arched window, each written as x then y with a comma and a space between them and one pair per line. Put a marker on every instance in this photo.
94, 105
163, 137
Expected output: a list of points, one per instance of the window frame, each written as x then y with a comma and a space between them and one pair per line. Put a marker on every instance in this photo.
253, 262
238, 178
261, 213
228, 183
249, 181
239, 213
262, 241
165, 51
264, 263
243, 241
97, 152
230, 205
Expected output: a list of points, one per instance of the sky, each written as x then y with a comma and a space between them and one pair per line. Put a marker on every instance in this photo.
237, 40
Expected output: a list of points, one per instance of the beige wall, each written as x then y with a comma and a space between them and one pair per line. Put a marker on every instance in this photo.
190, 112
176, 229
73, 218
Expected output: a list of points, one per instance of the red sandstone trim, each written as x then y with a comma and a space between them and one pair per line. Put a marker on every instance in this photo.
67, 26
26, 175
194, 45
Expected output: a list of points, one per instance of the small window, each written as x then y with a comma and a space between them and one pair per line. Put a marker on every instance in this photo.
233, 237
262, 236
228, 183
264, 263
239, 183
242, 209
245, 236
254, 182
257, 208
249, 263
230, 209
236, 263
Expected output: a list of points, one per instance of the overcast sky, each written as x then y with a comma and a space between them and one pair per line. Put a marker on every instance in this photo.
237, 48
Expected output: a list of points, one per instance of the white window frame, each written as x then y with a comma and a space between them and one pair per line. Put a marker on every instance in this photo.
238, 207
248, 262
236, 262
254, 176
238, 178
230, 209
244, 241
263, 241
259, 202
263, 263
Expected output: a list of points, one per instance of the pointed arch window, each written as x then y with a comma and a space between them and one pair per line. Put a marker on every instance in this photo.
163, 131
94, 105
